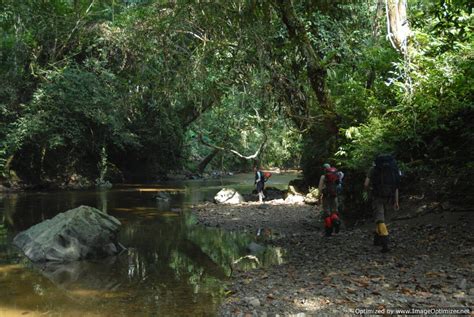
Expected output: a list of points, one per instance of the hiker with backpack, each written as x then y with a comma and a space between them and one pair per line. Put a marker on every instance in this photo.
383, 181
260, 179
328, 192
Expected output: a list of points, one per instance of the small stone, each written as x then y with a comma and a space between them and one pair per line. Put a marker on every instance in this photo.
255, 248
462, 285
441, 298
460, 295
369, 301
254, 302
447, 290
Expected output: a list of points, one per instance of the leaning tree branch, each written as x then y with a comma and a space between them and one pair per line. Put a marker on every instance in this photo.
249, 157
78, 24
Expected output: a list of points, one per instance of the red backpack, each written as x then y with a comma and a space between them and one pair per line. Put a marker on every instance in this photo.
331, 181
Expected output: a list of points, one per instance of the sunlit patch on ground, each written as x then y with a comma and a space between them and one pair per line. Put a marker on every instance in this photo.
312, 304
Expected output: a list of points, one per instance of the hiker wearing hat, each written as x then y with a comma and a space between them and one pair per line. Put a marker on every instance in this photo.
383, 180
327, 190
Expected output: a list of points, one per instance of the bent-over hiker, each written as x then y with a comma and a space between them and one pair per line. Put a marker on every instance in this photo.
383, 180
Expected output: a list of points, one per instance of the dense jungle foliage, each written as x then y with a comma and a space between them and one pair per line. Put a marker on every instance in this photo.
118, 90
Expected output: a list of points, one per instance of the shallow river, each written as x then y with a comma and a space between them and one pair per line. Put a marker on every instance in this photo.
172, 266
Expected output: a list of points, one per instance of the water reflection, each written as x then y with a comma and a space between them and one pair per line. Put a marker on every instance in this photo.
90, 275
172, 267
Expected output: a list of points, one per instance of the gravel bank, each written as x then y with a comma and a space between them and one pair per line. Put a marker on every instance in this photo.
431, 263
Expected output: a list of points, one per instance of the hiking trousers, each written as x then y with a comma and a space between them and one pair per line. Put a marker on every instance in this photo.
381, 208
329, 204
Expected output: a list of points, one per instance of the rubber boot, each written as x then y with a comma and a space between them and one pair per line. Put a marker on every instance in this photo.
383, 232
327, 226
328, 232
377, 239
336, 222
384, 243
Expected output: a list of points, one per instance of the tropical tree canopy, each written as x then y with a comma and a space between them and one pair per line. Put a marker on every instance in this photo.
122, 90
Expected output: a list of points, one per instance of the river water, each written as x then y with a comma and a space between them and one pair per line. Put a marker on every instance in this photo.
172, 266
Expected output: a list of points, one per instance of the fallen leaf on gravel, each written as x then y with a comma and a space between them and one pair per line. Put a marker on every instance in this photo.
229, 292
420, 288
424, 294
406, 291
326, 280
459, 295
434, 274
361, 281
351, 290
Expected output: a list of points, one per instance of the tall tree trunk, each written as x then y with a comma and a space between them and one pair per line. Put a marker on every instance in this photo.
397, 24
316, 72
378, 18
375, 34
315, 68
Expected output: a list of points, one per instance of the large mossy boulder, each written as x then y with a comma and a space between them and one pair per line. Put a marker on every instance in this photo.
80, 233
228, 196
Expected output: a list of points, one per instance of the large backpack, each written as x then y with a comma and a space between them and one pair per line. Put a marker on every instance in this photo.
385, 176
331, 179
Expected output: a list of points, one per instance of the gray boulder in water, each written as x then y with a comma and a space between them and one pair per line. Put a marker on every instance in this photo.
228, 196
80, 233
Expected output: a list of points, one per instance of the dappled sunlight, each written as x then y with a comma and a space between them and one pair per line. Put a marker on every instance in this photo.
135, 209
169, 214
169, 190
14, 312
313, 304
9, 268
87, 293
100, 293
147, 213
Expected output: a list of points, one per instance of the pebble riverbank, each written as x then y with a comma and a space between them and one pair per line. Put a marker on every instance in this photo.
430, 266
